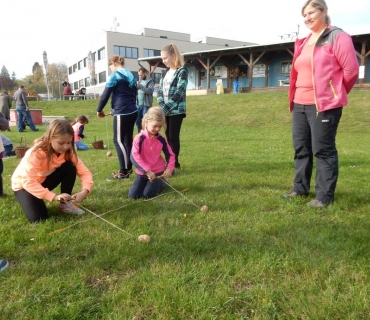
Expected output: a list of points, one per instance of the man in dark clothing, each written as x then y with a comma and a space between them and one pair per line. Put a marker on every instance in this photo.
23, 109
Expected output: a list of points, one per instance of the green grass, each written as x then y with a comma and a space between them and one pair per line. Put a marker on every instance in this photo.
252, 256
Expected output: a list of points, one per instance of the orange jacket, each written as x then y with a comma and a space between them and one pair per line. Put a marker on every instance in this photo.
33, 170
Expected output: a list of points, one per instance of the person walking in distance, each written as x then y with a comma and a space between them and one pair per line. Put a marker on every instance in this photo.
23, 110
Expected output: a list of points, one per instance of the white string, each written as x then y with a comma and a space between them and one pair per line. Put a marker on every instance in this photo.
112, 224
164, 180
99, 216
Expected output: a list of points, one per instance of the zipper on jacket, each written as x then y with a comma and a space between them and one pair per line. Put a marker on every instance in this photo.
313, 80
332, 88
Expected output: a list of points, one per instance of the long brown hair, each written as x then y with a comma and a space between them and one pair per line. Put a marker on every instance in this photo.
172, 49
57, 128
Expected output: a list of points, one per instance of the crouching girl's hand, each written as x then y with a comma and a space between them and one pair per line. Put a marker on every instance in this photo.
80, 196
63, 197
167, 173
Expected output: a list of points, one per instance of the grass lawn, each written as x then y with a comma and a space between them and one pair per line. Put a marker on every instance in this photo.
253, 255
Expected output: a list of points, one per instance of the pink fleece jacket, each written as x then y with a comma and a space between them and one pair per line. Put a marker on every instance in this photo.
335, 69
147, 151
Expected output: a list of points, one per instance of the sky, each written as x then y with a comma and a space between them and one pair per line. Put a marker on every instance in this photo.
63, 28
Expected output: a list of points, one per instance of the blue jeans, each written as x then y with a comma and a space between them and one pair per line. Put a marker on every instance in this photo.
8, 150
142, 187
23, 114
141, 111
81, 146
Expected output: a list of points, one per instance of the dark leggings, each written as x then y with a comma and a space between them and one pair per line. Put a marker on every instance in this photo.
35, 208
173, 135
123, 128
1, 176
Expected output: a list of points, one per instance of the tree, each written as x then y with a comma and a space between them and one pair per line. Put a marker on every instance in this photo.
5, 82
35, 66
57, 73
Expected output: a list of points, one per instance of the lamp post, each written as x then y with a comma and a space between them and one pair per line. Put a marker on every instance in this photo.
60, 97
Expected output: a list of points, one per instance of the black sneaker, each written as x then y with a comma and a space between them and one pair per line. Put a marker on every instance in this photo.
119, 176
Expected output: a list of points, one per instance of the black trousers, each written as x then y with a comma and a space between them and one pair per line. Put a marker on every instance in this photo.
314, 136
35, 208
123, 129
173, 135
1, 176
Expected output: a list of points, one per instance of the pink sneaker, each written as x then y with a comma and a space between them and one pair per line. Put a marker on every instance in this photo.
70, 207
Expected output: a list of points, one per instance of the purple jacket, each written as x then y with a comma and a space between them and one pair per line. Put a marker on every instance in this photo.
335, 69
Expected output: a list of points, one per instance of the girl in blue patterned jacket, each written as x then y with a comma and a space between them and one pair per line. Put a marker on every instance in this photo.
171, 96
121, 88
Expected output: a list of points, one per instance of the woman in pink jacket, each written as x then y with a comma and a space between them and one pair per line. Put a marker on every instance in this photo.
324, 70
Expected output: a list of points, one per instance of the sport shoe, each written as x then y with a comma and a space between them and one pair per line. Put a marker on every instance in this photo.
317, 204
3, 265
294, 194
70, 207
119, 176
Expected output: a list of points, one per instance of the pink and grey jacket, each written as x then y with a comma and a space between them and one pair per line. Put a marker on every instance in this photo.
334, 67
146, 153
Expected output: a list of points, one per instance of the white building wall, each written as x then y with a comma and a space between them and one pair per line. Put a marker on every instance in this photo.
146, 39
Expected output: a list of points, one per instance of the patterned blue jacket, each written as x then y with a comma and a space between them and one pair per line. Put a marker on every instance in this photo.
177, 94
121, 85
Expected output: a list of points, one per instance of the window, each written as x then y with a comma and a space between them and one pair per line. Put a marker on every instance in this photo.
70, 70
285, 67
75, 67
126, 52
151, 53
79, 65
81, 83
87, 82
75, 85
102, 77
101, 54
85, 62
136, 75
156, 77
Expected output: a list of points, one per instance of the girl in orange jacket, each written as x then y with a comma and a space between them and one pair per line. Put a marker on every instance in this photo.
51, 161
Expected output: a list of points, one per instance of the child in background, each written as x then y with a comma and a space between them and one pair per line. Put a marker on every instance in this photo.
51, 161
78, 127
146, 156
8, 146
